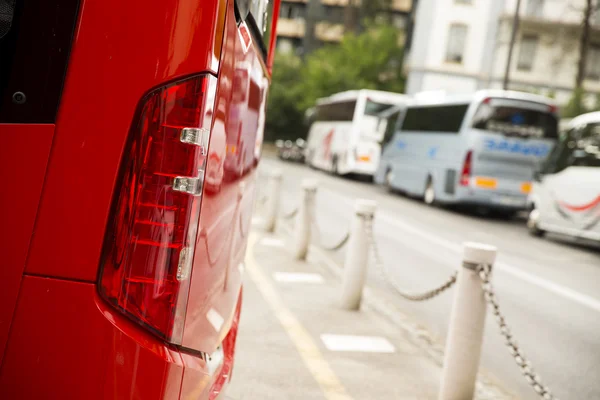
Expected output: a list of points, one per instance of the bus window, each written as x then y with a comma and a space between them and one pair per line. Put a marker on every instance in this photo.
262, 16
516, 121
587, 150
373, 108
339, 111
440, 119
390, 127
559, 157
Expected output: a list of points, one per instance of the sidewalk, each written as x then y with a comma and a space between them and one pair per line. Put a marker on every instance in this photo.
286, 348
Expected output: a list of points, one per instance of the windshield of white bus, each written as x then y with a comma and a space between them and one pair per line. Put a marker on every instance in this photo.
578, 147
374, 108
516, 121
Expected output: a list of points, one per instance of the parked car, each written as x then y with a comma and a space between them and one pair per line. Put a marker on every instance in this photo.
121, 242
291, 151
565, 197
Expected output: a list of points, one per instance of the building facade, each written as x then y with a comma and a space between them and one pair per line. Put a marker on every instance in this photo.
327, 18
463, 45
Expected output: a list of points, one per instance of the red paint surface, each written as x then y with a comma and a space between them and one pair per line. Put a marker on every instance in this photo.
64, 342
121, 51
581, 207
23, 155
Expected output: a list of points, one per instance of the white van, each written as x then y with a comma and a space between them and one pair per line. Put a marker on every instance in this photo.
479, 149
566, 191
343, 138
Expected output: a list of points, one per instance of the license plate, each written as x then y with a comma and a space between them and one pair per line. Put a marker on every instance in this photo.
510, 201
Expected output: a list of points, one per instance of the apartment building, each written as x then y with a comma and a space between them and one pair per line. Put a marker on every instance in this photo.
329, 18
463, 45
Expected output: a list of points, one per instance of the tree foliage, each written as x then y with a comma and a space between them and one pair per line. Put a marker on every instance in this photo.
370, 60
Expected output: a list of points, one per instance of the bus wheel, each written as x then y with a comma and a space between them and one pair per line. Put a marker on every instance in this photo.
429, 195
532, 223
334, 166
389, 176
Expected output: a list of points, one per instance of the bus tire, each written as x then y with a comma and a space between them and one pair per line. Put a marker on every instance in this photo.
334, 166
429, 195
389, 176
532, 223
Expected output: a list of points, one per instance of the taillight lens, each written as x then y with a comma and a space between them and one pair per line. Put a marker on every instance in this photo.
465, 175
149, 246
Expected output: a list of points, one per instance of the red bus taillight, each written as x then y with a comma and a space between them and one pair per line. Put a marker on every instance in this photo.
149, 247
465, 176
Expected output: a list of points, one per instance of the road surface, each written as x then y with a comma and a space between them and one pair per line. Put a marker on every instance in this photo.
549, 289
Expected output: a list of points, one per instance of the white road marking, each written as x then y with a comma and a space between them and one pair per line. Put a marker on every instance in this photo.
516, 272
272, 242
562, 291
365, 344
297, 277
318, 367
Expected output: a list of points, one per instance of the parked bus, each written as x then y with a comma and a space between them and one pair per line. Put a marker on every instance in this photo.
566, 191
479, 149
121, 270
343, 138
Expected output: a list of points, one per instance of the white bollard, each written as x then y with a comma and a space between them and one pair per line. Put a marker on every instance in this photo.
467, 321
304, 219
357, 257
273, 196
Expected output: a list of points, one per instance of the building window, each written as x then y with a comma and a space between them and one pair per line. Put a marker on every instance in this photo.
527, 51
535, 8
291, 11
334, 14
456, 43
592, 68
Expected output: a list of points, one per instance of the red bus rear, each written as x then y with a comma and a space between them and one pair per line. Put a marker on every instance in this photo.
125, 205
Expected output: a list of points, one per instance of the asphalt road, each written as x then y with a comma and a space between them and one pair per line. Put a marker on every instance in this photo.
549, 289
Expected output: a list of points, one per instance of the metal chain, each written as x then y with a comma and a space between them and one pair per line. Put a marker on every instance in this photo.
523, 363
387, 276
340, 244
317, 231
291, 214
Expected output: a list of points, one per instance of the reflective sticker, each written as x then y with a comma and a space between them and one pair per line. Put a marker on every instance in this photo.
516, 147
432, 152
245, 37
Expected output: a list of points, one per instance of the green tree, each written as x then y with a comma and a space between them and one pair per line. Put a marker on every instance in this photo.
284, 116
576, 105
371, 60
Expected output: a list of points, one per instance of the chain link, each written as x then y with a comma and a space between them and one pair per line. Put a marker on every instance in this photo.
387, 276
522, 362
317, 232
291, 214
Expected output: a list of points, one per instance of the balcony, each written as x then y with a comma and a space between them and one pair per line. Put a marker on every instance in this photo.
290, 27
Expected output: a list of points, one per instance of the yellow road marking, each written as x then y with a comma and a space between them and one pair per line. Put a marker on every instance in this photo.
313, 359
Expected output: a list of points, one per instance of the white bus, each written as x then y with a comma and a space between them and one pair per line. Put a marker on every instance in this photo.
566, 191
343, 138
479, 149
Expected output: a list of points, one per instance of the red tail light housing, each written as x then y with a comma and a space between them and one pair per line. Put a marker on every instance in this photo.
465, 175
149, 246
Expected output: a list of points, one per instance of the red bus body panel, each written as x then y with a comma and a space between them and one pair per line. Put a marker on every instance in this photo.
58, 338
23, 157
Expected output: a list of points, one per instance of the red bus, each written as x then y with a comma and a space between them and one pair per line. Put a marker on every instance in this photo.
122, 245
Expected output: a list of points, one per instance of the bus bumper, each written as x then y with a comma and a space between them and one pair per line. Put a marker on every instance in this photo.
495, 199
